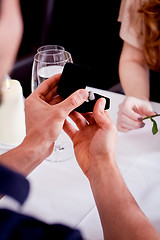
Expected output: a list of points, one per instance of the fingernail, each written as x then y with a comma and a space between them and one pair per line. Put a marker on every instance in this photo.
83, 94
142, 125
140, 119
103, 103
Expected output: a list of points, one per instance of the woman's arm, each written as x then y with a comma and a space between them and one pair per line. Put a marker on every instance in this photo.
134, 72
134, 77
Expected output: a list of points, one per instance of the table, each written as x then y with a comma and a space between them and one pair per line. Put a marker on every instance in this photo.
60, 193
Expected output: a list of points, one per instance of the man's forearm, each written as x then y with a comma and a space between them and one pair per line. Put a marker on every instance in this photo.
120, 215
24, 158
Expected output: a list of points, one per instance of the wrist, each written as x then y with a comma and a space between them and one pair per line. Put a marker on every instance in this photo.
139, 96
29, 149
37, 149
100, 167
144, 98
26, 157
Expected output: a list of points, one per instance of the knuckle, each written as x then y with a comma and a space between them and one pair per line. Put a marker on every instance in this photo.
78, 121
122, 118
118, 128
60, 114
122, 124
73, 102
122, 108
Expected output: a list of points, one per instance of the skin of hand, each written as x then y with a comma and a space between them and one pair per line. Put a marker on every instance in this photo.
130, 114
46, 112
95, 141
94, 146
45, 115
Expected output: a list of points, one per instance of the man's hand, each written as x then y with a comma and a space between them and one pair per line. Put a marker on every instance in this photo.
95, 141
94, 145
46, 113
45, 116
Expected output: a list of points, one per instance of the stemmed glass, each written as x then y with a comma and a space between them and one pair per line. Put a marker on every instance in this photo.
50, 47
46, 64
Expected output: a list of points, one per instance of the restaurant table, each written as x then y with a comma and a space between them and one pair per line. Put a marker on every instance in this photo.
60, 193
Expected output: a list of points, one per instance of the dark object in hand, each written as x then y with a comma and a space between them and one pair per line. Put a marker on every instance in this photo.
76, 77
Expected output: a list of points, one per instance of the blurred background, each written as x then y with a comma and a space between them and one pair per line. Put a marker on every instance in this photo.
87, 29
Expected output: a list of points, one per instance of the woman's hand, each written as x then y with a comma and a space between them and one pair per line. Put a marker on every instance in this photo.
95, 141
131, 112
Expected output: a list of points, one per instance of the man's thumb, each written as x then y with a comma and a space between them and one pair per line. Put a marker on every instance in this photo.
74, 100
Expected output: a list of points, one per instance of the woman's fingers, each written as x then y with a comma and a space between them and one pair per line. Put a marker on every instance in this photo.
127, 123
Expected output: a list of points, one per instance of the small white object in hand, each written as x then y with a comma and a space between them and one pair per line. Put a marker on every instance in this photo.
91, 96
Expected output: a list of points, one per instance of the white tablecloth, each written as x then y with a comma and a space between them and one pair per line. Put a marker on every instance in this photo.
61, 193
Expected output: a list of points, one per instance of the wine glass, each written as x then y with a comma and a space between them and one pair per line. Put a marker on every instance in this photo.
46, 64
50, 47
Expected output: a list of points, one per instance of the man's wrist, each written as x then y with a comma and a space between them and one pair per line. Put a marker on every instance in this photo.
100, 168
26, 157
30, 150
36, 152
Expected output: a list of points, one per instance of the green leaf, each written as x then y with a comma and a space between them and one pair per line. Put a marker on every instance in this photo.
154, 128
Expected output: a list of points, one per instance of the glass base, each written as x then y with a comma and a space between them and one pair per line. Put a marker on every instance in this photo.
63, 149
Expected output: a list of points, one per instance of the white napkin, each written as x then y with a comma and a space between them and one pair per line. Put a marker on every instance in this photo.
138, 157
136, 143
91, 227
143, 180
